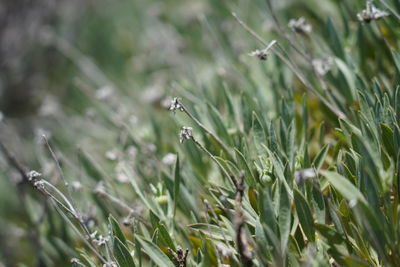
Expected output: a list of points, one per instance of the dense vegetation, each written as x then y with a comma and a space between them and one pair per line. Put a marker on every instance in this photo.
211, 133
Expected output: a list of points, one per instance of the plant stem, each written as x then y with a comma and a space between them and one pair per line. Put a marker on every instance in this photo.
230, 177
219, 141
120, 203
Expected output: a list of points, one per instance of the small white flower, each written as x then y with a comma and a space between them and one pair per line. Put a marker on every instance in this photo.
176, 105
169, 159
300, 26
352, 203
185, 134
304, 175
33, 174
120, 173
111, 155
322, 65
262, 54
101, 240
75, 261
371, 13
104, 92
93, 235
76, 186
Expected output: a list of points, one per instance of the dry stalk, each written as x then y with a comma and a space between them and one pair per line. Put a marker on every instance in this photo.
239, 222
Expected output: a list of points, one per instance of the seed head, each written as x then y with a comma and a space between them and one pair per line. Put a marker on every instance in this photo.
322, 65
33, 174
300, 26
185, 134
262, 54
176, 105
371, 13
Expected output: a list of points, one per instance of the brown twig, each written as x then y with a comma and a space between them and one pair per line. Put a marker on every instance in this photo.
239, 221
179, 256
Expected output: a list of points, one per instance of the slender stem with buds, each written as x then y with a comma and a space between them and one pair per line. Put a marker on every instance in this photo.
334, 109
42, 186
284, 35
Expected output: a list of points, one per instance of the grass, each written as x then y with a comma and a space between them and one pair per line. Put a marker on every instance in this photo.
172, 146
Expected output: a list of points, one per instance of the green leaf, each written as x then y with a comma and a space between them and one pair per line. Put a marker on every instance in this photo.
177, 183
122, 254
155, 253
387, 138
258, 133
150, 203
396, 58
212, 231
349, 77
267, 214
343, 186
165, 238
318, 204
218, 123
116, 230
319, 159
333, 39
278, 168
249, 177
92, 169
284, 217
305, 215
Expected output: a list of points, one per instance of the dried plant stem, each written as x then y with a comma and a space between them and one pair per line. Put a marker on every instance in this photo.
60, 171
230, 177
122, 204
292, 66
219, 141
88, 244
41, 186
239, 223
285, 35
391, 9
179, 256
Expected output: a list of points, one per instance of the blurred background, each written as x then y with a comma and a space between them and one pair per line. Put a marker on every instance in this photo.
79, 71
